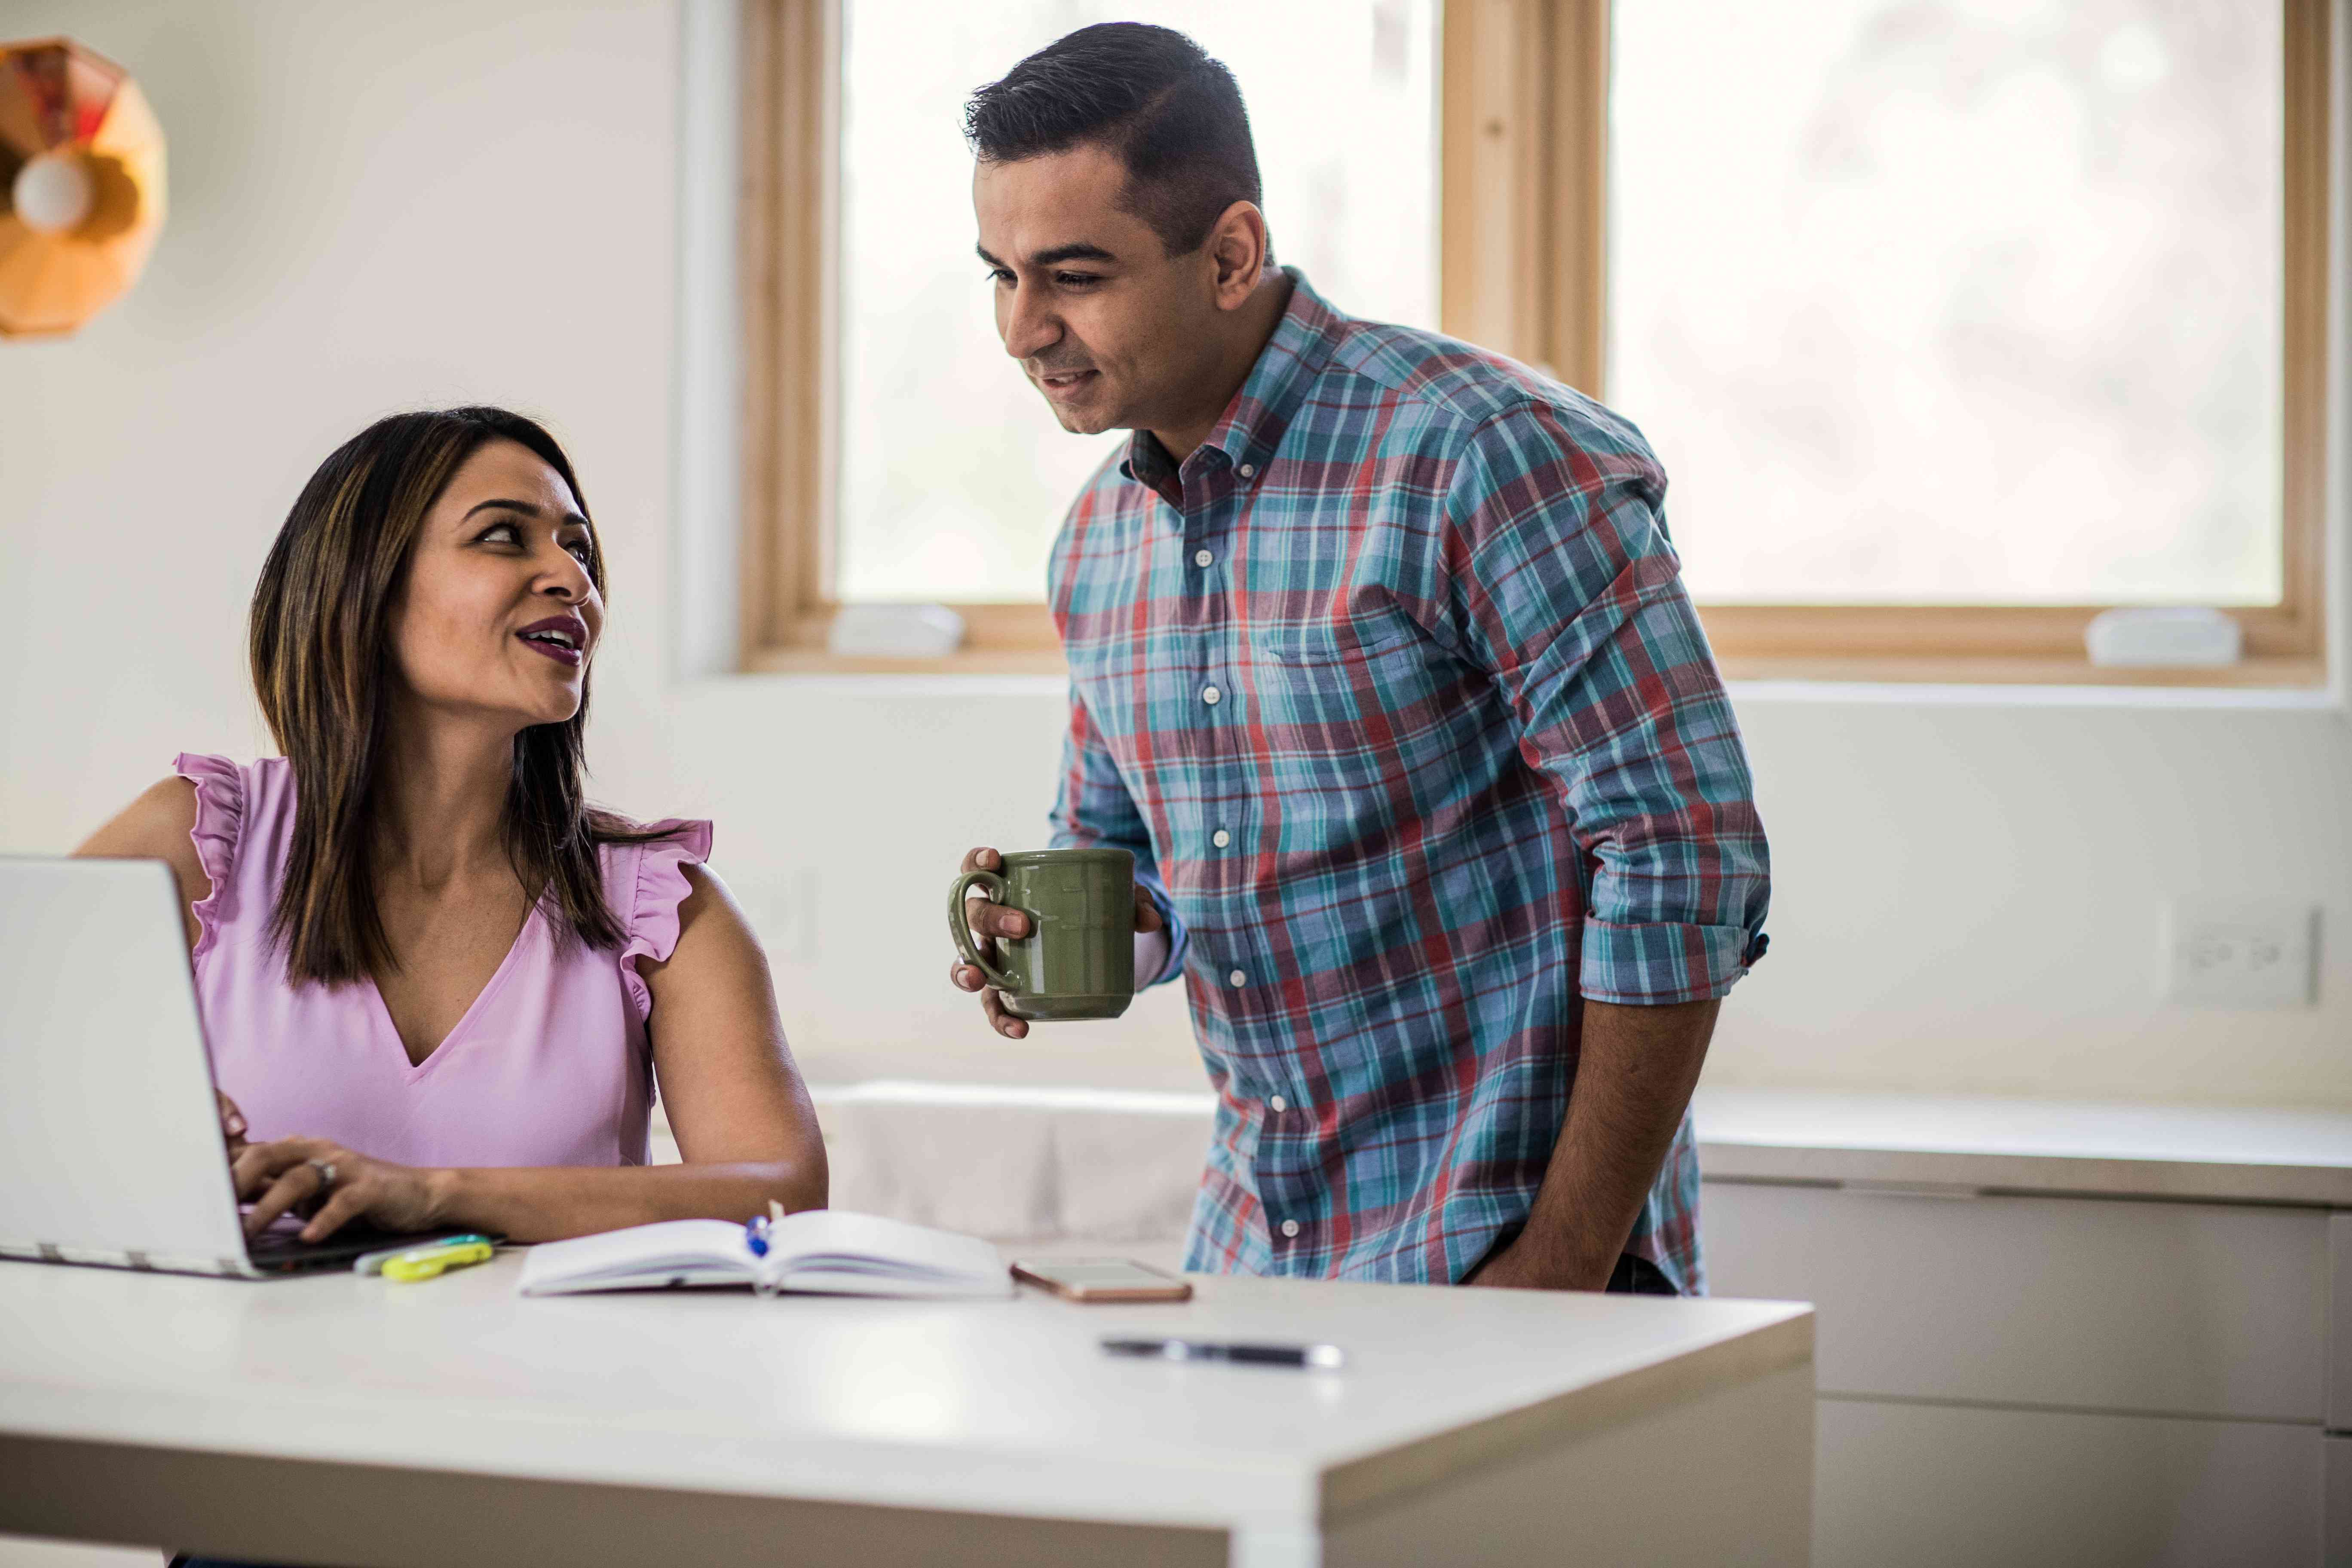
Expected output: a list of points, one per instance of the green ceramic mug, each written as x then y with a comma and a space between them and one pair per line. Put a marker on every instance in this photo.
1079, 959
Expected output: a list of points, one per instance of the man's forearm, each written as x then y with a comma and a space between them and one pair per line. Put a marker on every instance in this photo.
1633, 1081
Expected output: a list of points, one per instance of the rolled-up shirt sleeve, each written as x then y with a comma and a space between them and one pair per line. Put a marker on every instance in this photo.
1561, 583
1094, 809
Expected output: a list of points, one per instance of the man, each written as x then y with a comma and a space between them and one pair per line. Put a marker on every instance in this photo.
1381, 665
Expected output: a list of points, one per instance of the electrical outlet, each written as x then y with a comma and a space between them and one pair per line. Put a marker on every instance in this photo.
2248, 953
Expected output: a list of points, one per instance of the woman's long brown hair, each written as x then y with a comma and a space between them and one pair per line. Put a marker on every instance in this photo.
322, 665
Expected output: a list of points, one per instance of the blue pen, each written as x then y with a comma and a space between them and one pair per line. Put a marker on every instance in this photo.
755, 1232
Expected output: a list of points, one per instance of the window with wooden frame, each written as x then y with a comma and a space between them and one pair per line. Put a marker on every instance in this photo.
1955, 322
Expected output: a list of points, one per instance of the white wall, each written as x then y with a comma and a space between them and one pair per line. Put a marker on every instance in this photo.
380, 206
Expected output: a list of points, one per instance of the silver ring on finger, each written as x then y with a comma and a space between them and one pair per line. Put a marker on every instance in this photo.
326, 1169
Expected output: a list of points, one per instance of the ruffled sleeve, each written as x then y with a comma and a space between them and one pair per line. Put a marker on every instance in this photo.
220, 821
657, 890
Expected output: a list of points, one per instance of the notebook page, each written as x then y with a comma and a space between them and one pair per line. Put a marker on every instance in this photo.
838, 1235
640, 1251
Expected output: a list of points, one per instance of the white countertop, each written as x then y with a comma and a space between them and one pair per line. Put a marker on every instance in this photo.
1124, 1161
997, 1407
1995, 1143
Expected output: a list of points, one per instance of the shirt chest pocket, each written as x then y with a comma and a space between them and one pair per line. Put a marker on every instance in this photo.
1346, 713
1317, 644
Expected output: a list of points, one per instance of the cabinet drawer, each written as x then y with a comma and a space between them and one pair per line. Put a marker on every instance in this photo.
2336, 1529
2164, 1307
1946, 1486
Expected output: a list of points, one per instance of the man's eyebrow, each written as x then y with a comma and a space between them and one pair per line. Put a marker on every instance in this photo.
1061, 253
529, 509
1056, 256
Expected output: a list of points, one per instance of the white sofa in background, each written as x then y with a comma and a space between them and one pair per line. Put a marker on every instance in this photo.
2049, 1334
1037, 1170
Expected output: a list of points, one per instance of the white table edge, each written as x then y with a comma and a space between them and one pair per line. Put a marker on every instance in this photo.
1213, 1490
1778, 1343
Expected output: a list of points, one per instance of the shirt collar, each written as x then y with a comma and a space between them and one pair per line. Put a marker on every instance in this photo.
1270, 396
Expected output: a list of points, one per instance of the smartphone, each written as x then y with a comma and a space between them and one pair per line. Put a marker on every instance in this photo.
1102, 1279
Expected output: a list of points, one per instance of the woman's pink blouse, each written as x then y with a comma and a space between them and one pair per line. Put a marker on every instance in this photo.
551, 1065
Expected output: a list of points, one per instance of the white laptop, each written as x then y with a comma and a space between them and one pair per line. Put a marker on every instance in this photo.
111, 1149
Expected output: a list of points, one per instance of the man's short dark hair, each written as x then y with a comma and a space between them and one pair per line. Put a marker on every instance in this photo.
1150, 96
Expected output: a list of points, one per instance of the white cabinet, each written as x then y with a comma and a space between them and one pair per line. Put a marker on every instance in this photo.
2081, 1303
2337, 1535
1951, 1485
2053, 1331
2024, 1379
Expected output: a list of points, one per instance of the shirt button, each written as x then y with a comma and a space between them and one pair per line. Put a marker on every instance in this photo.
1203, 558
1290, 1227
1278, 1105
1221, 838
1212, 696
1249, 470
1238, 978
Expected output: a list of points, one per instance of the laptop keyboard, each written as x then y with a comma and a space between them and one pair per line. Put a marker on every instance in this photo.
275, 1248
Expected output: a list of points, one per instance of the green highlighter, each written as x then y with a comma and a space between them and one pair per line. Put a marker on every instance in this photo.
431, 1262
373, 1262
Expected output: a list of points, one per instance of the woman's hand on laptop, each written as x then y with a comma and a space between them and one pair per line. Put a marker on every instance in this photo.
287, 1176
232, 1125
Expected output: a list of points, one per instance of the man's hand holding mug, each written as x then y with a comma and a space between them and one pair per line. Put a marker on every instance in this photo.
1048, 934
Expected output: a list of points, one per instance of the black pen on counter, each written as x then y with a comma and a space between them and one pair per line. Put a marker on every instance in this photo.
1322, 1358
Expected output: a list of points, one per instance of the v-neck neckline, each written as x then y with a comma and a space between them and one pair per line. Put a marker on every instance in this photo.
441, 1047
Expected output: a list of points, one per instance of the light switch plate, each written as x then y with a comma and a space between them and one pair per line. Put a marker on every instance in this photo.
2259, 952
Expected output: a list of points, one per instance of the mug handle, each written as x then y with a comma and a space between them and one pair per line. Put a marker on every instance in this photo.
960, 929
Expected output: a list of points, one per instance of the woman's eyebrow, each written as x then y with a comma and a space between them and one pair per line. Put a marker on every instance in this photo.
524, 507
529, 509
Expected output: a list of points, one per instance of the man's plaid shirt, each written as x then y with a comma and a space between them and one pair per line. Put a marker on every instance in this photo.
1394, 690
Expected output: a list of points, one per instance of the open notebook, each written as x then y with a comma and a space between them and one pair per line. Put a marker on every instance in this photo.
828, 1252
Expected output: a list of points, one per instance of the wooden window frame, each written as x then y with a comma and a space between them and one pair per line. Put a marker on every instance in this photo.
1523, 245
788, 224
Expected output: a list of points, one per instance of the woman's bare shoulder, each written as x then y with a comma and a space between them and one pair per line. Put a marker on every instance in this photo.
155, 827
707, 917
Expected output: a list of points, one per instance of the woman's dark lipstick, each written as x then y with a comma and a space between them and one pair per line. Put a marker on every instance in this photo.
549, 637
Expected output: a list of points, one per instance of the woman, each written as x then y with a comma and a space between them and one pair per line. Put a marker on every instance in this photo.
437, 987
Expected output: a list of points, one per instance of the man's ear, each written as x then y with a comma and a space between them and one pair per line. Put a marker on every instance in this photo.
1239, 252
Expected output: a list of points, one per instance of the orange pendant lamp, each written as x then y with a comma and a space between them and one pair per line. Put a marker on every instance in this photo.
81, 185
